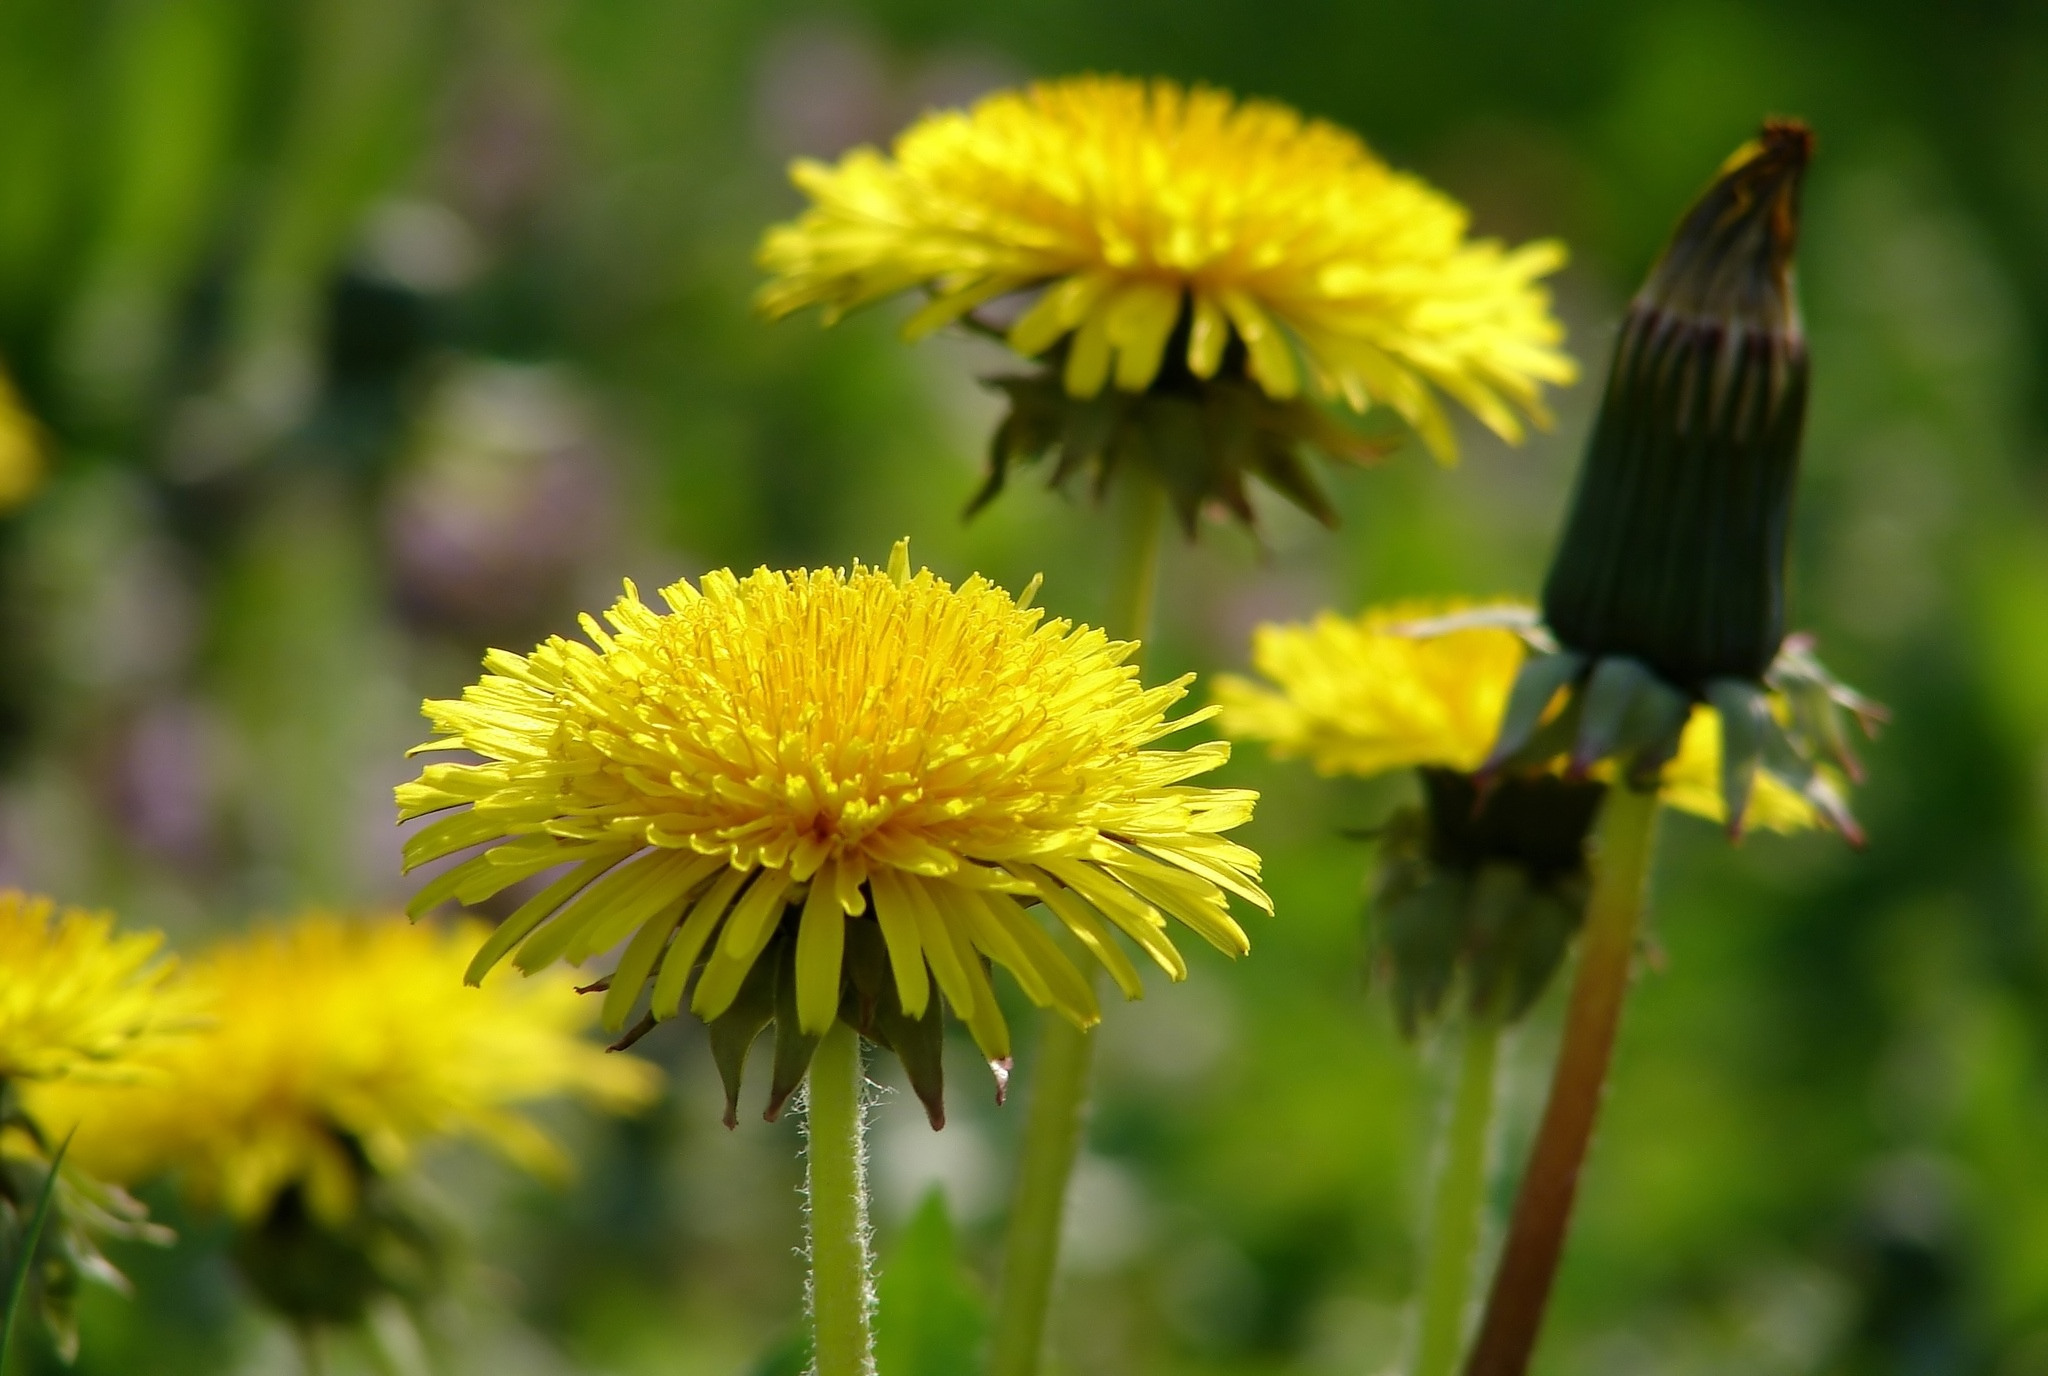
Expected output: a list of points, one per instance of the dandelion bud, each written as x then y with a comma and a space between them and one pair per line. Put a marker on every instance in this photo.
1674, 554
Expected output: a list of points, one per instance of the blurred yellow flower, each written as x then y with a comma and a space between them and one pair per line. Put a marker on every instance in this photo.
1363, 695
77, 998
338, 1046
21, 449
778, 757
1277, 245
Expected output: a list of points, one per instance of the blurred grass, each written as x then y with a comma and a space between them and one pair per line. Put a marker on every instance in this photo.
253, 258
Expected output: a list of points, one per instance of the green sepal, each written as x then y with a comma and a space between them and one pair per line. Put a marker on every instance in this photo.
868, 1002
1537, 684
919, 1044
1421, 928
1199, 438
793, 1046
1822, 705
1520, 932
734, 1032
1629, 714
1746, 723
1622, 710
1482, 886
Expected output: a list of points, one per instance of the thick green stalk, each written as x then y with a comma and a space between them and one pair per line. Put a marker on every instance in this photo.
1059, 1092
1521, 1287
842, 1272
1459, 1206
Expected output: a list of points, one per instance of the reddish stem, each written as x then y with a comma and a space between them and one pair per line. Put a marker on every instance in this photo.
1543, 1209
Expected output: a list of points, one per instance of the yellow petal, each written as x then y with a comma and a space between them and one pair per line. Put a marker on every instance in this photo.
820, 952
899, 933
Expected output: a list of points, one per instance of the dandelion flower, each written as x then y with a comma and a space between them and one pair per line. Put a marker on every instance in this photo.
336, 1048
1176, 237
1368, 694
79, 1003
824, 794
76, 997
1488, 877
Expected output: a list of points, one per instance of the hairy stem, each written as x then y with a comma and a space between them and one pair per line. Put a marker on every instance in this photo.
1059, 1091
842, 1272
1459, 1206
1521, 1287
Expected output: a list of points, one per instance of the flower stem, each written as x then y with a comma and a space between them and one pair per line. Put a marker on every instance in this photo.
1459, 1206
842, 1272
1627, 832
1136, 575
1059, 1091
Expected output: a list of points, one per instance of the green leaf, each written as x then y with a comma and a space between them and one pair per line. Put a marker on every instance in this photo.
932, 1319
790, 1356
24, 1261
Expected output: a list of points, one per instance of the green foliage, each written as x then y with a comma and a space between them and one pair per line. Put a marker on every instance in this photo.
372, 334
24, 1236
932, 1318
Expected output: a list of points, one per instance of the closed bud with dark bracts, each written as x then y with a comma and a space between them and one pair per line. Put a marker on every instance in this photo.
1668, 588
1675, 550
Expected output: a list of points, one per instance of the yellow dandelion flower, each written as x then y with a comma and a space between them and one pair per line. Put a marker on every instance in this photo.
336, 1049
1366, 695
784, 771
21, 449
76, 997
1165, 227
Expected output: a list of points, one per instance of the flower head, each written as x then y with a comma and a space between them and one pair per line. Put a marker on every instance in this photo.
1668, 586
1488, 875
1177, 237
820, 793
80, 1005
76, 997
1367, 694
335, 1049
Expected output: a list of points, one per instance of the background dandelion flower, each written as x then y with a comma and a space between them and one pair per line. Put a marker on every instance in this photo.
1367, 694
1485, 878
821, 793
1181, 230
80, 1004
335, 1049
76, 997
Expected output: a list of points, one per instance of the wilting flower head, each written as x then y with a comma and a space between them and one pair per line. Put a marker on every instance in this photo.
76, 997
1176, 237
819, 793
1490, 875
1668, 588
21, 449
335, 1049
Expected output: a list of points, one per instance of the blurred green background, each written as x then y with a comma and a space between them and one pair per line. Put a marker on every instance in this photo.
370, 333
